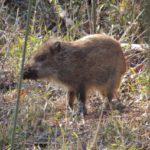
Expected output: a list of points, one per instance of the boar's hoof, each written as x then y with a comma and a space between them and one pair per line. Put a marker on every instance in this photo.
30, 74
82, 109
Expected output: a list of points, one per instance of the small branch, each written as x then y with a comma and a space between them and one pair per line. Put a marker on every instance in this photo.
89, 16
94, 16
21, 75
97, 130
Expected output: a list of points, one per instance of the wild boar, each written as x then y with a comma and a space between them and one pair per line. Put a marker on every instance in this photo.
94, 61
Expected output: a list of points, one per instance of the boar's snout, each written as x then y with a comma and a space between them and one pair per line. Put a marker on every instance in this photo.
30, 73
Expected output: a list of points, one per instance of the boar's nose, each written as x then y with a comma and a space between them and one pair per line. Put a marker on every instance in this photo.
30, 73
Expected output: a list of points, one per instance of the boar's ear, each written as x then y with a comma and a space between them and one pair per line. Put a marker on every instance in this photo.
56, 47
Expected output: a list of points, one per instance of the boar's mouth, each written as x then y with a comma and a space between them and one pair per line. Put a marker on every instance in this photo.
30, 74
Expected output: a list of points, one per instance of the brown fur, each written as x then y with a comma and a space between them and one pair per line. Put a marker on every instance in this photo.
94, 61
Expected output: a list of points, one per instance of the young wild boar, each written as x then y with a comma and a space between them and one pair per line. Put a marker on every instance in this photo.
94, 61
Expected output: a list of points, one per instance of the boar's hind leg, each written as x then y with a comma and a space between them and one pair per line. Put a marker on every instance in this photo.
71, 98
108, 100
110, 97
81, 95
110, 92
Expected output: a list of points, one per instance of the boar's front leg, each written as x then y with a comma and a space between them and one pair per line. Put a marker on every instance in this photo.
81, 95
71, 98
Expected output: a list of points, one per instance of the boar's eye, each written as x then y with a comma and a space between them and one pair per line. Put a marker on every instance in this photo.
41, 58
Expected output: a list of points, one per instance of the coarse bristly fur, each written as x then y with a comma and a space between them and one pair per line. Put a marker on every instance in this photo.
94, 61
